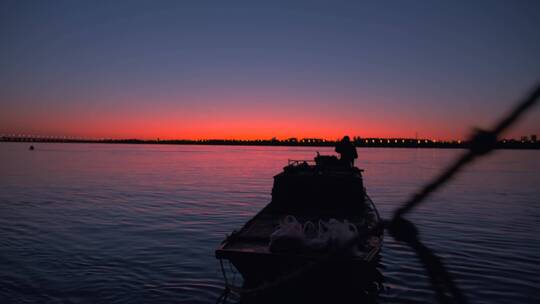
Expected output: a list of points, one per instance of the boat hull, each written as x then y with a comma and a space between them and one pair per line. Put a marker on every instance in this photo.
257, 270
311, 194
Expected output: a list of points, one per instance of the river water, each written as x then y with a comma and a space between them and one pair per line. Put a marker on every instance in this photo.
93, 223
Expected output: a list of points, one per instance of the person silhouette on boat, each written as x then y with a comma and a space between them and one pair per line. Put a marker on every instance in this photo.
347, 151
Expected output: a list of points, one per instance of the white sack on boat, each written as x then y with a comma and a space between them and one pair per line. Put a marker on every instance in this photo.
339, 235
316, 238
333, 236
289, 236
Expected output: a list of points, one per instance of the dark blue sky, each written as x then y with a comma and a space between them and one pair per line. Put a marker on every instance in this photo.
260, 69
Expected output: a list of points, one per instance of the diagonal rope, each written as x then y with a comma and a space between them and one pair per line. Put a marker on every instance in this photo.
481, 143
405, 231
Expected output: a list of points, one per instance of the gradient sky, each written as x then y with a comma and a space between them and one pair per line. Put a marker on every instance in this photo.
254, 69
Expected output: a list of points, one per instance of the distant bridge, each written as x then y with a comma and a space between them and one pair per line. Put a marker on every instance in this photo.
44, 138
359, 142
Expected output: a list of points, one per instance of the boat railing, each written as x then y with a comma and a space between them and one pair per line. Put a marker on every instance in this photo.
298, 162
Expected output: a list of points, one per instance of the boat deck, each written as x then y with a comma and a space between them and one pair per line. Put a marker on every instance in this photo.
254, 237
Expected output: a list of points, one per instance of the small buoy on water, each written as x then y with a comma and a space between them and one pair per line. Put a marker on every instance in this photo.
31, 148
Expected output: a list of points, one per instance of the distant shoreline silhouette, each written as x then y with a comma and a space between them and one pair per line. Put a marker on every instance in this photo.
306, 142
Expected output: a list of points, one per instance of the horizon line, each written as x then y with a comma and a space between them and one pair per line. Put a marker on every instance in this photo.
270, 138
282, 139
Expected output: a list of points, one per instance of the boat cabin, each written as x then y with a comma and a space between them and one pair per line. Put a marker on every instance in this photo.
324, 186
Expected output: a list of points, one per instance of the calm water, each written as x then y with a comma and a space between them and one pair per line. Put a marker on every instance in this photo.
139, 223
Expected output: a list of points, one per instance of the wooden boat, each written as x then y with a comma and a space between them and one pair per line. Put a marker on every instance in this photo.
313, 191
